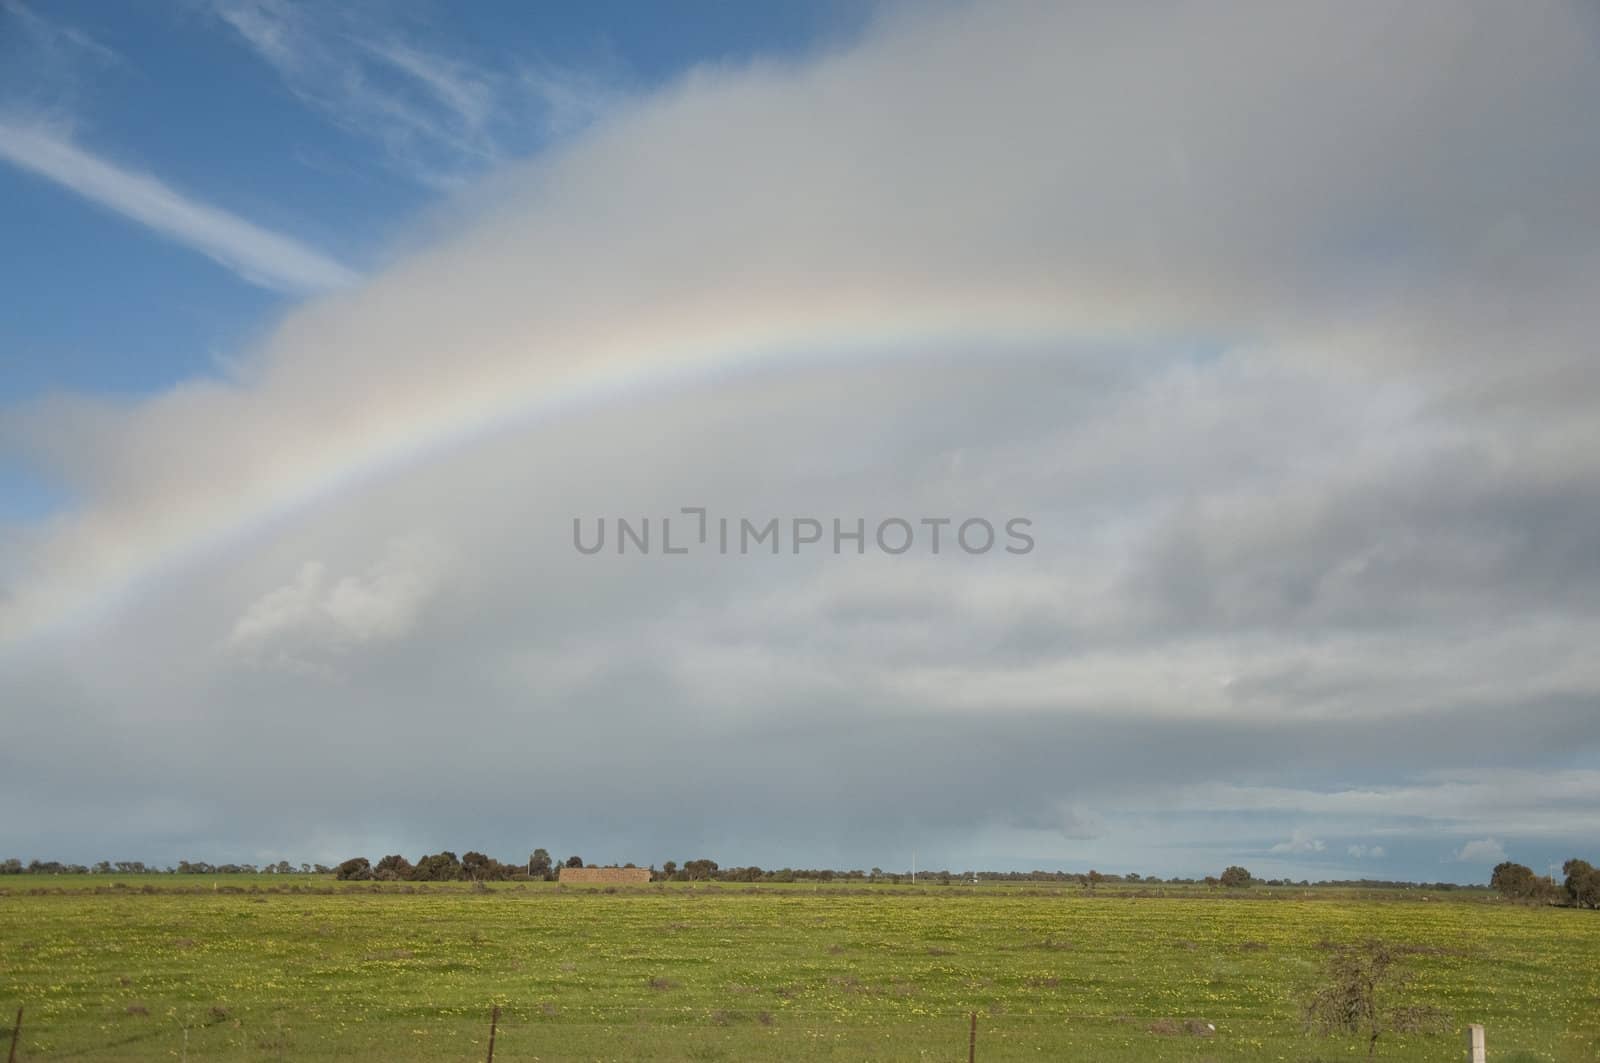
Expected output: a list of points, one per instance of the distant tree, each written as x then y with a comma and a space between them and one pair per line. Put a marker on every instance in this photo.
1235, 877
1094, 878
440, 867
669, 869
539, 864
1513, 880
1583, 883
392, 868
356, 869
574, 861
699, 870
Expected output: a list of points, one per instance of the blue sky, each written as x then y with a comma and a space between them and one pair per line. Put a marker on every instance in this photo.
322, 322
99, 302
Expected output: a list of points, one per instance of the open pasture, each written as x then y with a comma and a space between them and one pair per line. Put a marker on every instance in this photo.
252, 969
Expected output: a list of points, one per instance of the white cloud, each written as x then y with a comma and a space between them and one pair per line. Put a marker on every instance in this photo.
1482, 851
1300, 841
314, 616
258, 255
1363, 852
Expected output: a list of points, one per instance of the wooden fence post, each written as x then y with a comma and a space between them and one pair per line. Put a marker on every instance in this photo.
1477, 1050
494, 1021
972, 1039
16, 1032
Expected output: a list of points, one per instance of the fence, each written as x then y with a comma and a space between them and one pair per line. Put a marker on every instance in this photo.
664, 1033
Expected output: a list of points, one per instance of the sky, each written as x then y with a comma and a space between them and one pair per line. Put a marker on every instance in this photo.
1260, 336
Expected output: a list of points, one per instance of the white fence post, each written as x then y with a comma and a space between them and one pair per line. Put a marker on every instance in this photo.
1477, 1052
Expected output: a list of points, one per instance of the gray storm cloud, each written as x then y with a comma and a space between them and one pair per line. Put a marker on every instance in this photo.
1306, 435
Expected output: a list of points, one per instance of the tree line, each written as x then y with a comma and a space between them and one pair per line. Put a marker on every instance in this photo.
14, 866
1580, 886
473, 866
446, 866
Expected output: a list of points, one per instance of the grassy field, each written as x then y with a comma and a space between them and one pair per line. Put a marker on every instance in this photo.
248, 968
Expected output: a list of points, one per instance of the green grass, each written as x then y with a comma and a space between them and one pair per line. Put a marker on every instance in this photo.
257, 969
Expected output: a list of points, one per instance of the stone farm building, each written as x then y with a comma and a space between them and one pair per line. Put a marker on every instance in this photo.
606, 876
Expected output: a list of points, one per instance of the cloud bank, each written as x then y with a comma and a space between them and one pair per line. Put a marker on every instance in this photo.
1277, 322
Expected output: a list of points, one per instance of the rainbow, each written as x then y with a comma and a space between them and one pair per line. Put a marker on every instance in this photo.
128, 553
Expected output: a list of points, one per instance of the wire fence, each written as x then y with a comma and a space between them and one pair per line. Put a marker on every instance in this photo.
679, 1034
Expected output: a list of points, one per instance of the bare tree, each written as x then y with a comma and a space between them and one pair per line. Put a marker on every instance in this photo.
1356, 999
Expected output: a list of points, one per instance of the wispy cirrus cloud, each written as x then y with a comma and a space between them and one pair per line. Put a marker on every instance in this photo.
50, 36
438, 117
260, 256
47, 62
451, 84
